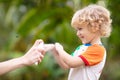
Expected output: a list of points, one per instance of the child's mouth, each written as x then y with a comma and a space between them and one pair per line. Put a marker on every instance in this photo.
82, 37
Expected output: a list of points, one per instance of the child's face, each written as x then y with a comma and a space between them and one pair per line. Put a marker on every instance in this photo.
86, 35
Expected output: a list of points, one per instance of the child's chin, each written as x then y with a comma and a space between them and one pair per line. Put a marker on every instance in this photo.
84, 42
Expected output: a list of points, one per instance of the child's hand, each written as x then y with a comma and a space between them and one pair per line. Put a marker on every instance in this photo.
58, 47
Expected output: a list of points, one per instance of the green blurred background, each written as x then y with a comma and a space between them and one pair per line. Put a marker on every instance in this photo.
24, 21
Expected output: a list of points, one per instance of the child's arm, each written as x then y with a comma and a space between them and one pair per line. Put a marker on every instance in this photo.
71, 61
51, 47
60, 60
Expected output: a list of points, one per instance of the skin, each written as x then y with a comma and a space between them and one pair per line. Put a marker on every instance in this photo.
67, 61
87, 36
34, 54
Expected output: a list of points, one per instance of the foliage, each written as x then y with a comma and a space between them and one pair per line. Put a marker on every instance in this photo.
24, 21
112, 71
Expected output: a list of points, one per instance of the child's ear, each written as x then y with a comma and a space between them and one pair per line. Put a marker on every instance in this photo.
95, 28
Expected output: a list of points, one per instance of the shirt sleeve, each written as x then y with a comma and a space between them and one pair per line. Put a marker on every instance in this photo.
93, 55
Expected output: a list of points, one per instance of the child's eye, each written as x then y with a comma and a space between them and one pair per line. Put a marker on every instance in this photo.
79, 28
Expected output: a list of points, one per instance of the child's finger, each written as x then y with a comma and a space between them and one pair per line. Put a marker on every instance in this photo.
58, 46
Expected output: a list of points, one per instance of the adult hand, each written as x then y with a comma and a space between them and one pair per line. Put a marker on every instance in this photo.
35, 54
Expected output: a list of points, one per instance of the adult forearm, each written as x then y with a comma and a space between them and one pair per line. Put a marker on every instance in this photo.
11, 65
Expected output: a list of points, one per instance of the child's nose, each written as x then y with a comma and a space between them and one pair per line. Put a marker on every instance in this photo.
78, 33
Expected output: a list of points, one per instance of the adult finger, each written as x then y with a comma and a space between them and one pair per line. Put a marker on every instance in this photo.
38, 42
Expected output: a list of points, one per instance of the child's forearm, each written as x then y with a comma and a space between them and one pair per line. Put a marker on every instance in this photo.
59, 60
71, 61
66, 57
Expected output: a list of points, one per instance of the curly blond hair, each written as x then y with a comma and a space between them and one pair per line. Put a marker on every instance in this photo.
96, 17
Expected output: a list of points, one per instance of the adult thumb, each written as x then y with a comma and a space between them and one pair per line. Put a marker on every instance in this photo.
38, 42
